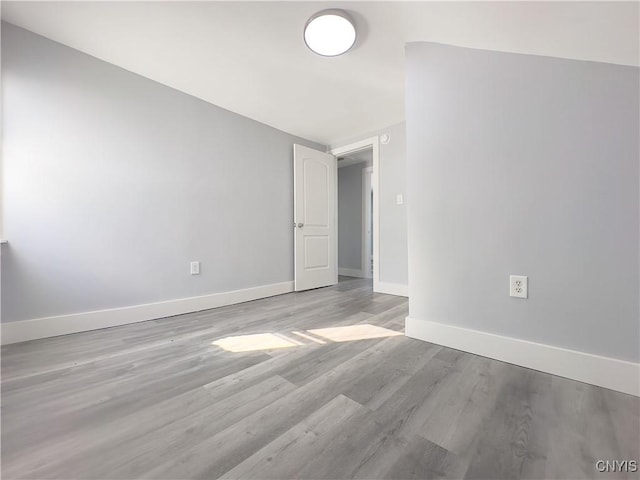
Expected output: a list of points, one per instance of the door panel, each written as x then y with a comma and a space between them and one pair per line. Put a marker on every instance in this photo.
316, 188
316, 252
314, 218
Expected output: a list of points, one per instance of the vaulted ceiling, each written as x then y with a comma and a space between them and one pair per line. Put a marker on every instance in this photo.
250, 58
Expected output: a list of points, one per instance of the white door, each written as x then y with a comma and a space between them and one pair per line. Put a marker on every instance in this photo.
314, 210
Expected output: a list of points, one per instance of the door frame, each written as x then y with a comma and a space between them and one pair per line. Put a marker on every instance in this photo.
374, 144
367, 216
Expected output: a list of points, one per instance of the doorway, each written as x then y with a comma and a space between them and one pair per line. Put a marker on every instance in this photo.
357, 209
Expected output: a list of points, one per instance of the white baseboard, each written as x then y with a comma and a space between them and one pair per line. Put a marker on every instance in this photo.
619, 375
21, 331
392, 289
350, 272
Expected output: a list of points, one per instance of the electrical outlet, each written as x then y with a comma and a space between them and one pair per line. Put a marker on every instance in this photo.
195, 268
518, 286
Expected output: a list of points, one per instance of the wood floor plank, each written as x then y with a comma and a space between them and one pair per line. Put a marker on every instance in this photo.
109, 399
163, 399
224, 451
365, 449
507, 448
288, 455
582, 431
421, 459
194, 411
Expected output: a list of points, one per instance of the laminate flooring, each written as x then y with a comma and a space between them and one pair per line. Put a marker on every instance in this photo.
275, 389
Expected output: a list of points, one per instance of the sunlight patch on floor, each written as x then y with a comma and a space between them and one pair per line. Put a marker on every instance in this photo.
258, 341
350, 333
273, 341
309, 337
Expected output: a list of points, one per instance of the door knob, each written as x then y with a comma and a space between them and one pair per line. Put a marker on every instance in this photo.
300, 225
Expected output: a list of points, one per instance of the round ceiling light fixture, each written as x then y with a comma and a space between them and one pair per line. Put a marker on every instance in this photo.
330, 33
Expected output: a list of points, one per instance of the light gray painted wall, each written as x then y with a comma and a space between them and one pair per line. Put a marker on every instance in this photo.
350, 216
114, 183
525, 165
393, 217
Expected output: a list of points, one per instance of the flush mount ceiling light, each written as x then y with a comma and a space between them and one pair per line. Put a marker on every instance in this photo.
330, 33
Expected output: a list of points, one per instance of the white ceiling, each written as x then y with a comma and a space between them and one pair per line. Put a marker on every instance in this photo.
250, 58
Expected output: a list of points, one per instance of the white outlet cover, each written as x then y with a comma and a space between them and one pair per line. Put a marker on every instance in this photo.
518, 286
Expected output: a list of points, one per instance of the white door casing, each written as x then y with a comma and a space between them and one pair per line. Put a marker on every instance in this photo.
315, 238
372, 142
367, 222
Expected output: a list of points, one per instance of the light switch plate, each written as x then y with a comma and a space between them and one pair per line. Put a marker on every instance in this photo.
195, 268
399, 199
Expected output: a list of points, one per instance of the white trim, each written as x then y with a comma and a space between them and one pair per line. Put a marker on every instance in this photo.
367, 215
619, 375
349, 162
393, 289
374, 144
350, 272
21, 331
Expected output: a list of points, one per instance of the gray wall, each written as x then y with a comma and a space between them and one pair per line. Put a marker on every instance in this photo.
524, 165
114, 183
350, 216
393, 217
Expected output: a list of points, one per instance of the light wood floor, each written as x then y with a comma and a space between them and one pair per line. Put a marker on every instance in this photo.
159, 400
